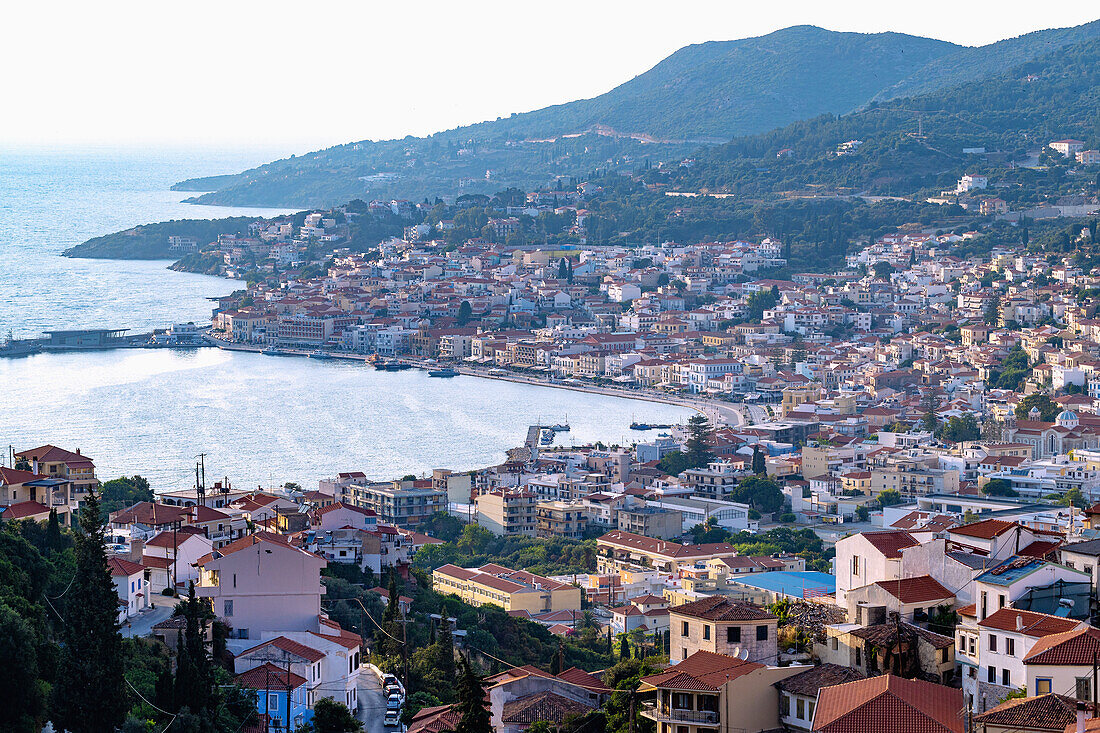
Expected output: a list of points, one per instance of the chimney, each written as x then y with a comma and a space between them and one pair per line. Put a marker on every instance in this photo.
78, 451
1080, 717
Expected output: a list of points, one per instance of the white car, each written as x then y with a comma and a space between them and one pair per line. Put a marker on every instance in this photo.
393, 702
392, 719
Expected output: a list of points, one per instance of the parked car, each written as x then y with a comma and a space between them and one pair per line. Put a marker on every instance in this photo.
393, 702
392, 719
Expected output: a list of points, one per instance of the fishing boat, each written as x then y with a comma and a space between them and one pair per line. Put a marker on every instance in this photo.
392, 366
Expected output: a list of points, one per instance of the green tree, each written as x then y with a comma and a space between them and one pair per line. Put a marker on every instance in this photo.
697, 446
330, 716
928, 404
889, 497
1048, 408
465, 313
992, 313
624, 647
22, 694
759, 492
563, 268
883, 269
959, 429
999, 487
1073, 497
89, 696
759, 463
193, 688
471, 707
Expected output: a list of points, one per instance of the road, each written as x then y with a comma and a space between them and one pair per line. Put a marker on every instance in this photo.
372, 702
142, 624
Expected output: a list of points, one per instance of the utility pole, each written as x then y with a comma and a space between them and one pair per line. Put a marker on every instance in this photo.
200, 479
404, 643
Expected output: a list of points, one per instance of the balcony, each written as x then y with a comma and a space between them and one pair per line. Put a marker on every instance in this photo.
661, 713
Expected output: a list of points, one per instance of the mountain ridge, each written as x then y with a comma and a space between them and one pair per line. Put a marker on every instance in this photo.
717, 90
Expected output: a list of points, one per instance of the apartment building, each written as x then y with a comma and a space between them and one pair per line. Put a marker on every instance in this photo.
512, 590
507, 512
58, 463
650, 521
561, 519
403, 504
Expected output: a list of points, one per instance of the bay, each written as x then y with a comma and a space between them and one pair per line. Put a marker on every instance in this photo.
265, 420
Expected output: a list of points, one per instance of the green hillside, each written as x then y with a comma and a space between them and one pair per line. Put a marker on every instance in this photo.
706, 92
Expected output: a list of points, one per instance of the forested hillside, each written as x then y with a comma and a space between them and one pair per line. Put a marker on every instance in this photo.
705, 92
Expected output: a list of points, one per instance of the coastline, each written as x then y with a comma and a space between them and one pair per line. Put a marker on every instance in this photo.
717, 412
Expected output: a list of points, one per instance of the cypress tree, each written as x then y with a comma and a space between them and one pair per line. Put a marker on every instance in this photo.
471, 705
54, 540
89, 695
759, 463
624, 647
446, 648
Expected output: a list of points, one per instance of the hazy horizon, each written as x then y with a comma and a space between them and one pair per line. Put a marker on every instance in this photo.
138, 75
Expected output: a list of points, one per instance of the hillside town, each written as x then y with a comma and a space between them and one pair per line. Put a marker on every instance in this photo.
888, 499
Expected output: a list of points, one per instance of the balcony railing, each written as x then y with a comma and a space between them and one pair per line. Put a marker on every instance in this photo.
653, 711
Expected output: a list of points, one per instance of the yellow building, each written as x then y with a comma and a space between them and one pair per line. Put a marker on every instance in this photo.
507, 512
795, 396
512, 590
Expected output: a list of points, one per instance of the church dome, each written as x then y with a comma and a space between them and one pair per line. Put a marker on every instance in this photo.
1067, 419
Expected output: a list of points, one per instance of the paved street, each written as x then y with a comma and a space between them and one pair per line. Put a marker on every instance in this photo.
142, 624
372, 703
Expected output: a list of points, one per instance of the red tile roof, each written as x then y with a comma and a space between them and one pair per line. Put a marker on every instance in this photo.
1049, 712
269, 677
1028, 622
986, 529
720, 608
120, 566
702, 672
1075, 648
292, 647
24, 509
889, 704
890, 543
916, 590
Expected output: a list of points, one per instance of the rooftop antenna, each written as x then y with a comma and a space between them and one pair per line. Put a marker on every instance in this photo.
200, 479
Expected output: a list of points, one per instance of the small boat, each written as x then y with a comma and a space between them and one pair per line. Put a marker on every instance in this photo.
320, 355
547, 437
392, 366
273, 352
444, 372
560, 428
640, 426
496, 372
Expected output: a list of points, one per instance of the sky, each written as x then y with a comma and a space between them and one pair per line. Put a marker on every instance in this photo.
299, 76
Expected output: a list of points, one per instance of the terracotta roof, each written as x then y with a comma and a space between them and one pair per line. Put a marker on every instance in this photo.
702, 672
434, 720
10, 476
1078, 647
50, 454
1047, 712
889, 704
720, 608
987, 529
916, 590
1040, 548
823, 675
290, 646
890, 543
269, 677
24, 509
120, 567
153, 561
887, 633
583, 679
1028, 622
548, 706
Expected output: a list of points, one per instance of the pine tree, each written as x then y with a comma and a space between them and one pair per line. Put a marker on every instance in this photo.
697, 446
471, 706
89, 696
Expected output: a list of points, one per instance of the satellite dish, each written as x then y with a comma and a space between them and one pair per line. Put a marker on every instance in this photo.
744, 654
737, 651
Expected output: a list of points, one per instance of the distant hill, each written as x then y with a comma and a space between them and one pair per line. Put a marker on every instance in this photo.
703, 93
916, 143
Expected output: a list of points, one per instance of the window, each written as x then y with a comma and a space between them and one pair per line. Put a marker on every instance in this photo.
1084, 688
733, 634
1006, 677
1042, 685
800, 708
855, 564
991, 675
681, 701
706, 632
992, 642
784, 704
984, 599
810, 710
1001, 600
762, 632
273, 702
1010, 646
684, 629
227, 608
